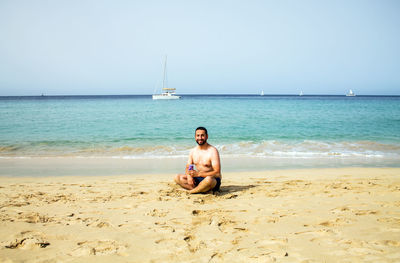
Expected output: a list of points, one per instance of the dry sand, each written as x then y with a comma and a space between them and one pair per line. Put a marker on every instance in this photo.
315, 215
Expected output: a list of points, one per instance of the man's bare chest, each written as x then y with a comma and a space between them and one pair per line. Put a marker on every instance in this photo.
202, 159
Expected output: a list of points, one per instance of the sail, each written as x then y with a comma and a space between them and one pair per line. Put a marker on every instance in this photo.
167, 93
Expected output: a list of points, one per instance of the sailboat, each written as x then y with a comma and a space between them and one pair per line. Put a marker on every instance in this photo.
262, 93
350, 94
167, 93
301, 93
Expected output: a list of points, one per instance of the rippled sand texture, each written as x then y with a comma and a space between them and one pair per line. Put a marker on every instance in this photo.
324, 215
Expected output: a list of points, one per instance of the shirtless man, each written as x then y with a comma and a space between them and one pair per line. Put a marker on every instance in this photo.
206, 159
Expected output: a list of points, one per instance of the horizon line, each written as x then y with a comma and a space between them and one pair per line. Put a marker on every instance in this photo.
199, 94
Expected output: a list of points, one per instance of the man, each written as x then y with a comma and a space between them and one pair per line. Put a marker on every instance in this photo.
206, 158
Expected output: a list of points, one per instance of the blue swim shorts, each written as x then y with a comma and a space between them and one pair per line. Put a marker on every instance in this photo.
197, 180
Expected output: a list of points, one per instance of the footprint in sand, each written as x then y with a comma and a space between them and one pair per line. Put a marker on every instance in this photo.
390, 243
163, 227
212, 217
339, 221
194, 244
392, 220
274, 247
365, 212
98, 248
33, 217
340, 210
27, 240
103, 224
157, 213
16, 203
92, 222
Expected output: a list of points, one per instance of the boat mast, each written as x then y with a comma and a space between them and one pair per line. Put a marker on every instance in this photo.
165, 73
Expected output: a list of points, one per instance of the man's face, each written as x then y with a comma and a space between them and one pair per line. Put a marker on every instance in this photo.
201, 137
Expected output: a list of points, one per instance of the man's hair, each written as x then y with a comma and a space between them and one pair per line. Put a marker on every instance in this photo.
201, 128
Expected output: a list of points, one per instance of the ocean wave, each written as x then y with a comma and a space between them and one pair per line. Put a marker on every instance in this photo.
262, 149
11, 148
131, 151
311, 149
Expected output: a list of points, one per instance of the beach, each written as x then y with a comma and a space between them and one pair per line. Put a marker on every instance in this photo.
303, 215
305, 179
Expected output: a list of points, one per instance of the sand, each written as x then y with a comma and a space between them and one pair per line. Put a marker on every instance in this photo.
310, 215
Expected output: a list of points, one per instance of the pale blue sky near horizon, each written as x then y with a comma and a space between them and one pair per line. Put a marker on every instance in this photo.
213, 47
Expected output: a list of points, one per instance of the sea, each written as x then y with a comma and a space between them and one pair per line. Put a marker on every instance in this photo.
263, 132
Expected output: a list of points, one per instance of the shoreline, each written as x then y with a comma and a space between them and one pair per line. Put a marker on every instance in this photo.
302, 215
303, 173
108, 166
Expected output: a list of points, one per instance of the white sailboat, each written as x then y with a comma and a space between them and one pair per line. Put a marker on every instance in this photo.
301, 93
167, 93
262, 93
350, 94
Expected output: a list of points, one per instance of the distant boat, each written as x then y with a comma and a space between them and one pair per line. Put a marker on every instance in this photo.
262, 93
301, 93
167, 93
350, 94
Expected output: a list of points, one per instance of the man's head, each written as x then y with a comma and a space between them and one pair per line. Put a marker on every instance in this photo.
201, 135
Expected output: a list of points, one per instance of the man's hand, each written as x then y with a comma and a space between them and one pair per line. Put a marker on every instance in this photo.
193, 173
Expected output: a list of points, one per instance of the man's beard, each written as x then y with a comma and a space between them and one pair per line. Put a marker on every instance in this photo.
202, 143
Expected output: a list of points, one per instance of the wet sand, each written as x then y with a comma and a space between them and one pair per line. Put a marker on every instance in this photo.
310, 215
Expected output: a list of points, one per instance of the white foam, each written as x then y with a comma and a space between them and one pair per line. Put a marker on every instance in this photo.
250, 149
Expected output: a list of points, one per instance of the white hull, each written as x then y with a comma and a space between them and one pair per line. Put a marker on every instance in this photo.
350, 94
165, 97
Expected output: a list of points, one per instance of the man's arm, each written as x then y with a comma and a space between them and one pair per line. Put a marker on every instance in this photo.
189, 162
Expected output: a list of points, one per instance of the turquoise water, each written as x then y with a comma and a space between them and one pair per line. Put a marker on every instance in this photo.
250, 126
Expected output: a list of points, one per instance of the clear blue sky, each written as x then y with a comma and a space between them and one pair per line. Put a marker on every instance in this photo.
281, 47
